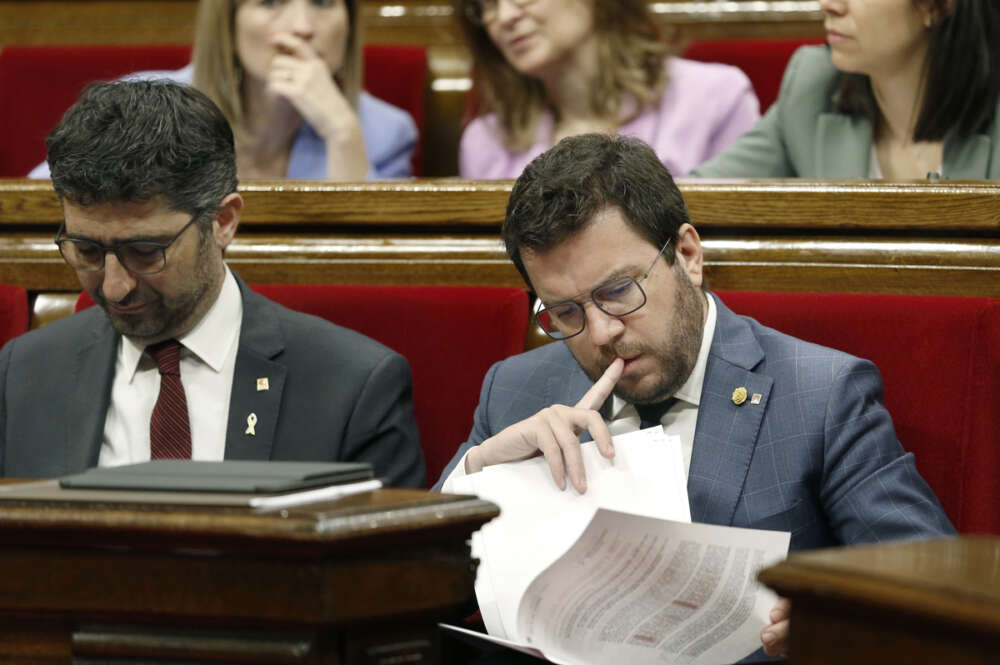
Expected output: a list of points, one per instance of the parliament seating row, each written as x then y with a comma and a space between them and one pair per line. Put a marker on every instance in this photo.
939, 358
779, 237
47, 79
38, 84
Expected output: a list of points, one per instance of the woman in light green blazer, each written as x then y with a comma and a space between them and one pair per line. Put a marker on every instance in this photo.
905, 89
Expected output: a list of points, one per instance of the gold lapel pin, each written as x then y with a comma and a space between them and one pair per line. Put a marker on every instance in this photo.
251, 422
262, 384
755, 399
739, 395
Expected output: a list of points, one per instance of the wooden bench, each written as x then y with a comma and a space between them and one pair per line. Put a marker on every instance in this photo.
778, 235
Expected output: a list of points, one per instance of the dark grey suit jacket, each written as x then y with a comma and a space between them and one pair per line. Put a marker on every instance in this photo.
817, 456
334, 395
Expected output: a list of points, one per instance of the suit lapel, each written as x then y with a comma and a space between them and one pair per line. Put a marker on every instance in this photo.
843, 146
726, 432
90, 377
258, 382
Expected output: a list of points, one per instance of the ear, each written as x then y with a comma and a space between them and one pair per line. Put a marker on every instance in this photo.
226, 220
689, 253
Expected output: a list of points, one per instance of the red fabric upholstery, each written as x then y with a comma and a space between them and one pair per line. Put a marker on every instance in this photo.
940, 363
762, 60
398, 74
14, 315
38, 84
450, 335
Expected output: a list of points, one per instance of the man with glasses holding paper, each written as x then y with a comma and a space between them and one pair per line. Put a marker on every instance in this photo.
775, 433
182, 359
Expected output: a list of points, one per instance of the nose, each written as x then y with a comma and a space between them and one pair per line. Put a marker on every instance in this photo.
299, 19
601, 326
508, 11
834, 7
118, 282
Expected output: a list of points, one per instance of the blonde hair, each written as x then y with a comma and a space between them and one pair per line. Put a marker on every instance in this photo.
218, 73
631, 53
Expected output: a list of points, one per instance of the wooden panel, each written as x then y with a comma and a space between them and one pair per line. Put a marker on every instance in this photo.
847, 236
360, 580
421, 22
921, 602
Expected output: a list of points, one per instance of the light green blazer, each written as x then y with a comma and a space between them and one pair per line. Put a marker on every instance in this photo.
801, 135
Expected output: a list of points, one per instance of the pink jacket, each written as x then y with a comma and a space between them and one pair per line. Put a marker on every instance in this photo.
706, 106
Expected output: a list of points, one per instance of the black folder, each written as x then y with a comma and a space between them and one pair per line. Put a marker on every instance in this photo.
245, 477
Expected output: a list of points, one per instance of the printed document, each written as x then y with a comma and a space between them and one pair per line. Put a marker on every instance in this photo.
618, 574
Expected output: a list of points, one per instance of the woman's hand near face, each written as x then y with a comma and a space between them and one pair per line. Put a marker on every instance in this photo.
301, 76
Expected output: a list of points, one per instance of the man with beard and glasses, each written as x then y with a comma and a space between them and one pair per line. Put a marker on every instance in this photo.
599, 231
181, 359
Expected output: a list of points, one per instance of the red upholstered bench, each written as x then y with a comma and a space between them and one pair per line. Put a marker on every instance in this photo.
449, 334
940, 363
14, 315
762, 60
38, 84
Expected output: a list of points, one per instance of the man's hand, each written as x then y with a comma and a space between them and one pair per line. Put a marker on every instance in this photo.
774, 637
554, 432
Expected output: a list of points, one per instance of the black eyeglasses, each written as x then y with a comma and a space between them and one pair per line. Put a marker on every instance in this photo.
141, 257
619, 297
482, 12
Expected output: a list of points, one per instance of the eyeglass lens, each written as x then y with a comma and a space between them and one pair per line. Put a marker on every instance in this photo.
617, 298
138, 257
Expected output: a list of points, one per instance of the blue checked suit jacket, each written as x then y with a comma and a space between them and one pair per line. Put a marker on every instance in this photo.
817, 457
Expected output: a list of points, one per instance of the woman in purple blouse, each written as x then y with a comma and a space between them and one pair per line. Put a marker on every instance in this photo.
547, 69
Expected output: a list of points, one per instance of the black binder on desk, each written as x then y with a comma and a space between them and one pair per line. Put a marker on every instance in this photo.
239, 476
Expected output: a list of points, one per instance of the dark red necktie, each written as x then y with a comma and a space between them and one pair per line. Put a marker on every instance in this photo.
169, 428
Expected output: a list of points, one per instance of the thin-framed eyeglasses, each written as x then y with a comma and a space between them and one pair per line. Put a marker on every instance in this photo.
619, 297
482, 12
140, 257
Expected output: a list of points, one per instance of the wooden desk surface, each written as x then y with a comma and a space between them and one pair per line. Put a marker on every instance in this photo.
934, 601
361, 580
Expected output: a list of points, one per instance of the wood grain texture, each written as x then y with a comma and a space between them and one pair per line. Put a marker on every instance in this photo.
920, 602
780, 235
329, 582
420, 22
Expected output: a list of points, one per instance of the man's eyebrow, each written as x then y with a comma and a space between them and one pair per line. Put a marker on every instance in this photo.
141, 238
610, 276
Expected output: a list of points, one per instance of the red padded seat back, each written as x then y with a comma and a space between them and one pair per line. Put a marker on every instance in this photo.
449, 334
14, 314
940, 363
38, 84
398, 75
762, 60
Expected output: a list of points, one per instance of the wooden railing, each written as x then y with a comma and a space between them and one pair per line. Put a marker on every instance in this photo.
423, 22
779, 235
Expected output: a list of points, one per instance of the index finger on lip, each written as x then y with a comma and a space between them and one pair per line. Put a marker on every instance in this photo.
594, 398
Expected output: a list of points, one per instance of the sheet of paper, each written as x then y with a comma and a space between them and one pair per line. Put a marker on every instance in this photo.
647, 591
476, 636
539, 522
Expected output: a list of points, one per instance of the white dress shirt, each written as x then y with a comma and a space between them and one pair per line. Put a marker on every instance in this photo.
208, 360
680, 419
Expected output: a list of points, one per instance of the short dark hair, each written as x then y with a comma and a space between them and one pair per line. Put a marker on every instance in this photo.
564, 188
963, 72
134, 141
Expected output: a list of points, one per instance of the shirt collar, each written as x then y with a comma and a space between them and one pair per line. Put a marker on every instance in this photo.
209, 340
690, 392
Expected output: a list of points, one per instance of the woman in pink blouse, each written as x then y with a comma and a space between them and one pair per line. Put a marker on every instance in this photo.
547, 69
